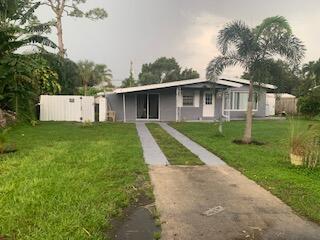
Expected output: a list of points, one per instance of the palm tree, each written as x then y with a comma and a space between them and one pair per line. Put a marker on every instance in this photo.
102, 74
86, 72
249, 47
311, 72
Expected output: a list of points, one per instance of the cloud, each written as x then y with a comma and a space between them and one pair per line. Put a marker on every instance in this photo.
198, 45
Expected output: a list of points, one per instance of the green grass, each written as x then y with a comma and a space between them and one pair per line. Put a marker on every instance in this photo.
67, 181
268, 165
175, 152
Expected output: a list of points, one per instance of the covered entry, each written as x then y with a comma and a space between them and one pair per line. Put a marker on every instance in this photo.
148, 106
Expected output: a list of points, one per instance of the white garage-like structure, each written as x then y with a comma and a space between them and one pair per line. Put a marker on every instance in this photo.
67, 108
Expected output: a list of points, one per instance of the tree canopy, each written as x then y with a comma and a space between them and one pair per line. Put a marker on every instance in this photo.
22, 77
164, 70
277, 72
71, 8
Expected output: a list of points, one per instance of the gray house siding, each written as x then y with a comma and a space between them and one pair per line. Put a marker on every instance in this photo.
167, 105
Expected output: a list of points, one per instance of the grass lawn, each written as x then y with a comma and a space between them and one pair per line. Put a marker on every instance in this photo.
67, 181
268, 165
175, 152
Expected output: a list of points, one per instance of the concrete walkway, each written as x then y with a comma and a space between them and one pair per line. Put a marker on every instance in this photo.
241, 209
151, 151
207, 157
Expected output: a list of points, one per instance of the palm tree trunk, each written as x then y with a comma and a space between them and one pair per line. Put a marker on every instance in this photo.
247, 136
2, 119
85, 88
58, 26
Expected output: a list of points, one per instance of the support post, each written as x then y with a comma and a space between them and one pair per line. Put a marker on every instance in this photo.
124, 107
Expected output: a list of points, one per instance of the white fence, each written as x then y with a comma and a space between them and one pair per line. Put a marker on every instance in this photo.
66, 108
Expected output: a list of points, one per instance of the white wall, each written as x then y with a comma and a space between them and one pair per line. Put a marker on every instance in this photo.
270, 104
66, 108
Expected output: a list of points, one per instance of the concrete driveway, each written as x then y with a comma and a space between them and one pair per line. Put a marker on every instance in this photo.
241, 208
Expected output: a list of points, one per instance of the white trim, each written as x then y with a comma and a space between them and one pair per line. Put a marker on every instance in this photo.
229, 82
177, 104
247, 82
237, 110
124, 107
147, 119
213, 102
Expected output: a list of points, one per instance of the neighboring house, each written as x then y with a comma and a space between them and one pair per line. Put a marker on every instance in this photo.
187, 100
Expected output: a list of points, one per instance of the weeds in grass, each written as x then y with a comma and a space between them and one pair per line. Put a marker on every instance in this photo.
306, 143
156, 235
86, 124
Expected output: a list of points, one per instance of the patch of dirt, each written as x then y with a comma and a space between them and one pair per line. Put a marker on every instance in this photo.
253, 142
137, 222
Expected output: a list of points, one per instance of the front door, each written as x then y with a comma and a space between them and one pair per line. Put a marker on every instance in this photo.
208, 104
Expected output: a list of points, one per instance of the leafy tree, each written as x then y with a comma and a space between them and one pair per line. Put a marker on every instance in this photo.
70, 8
67, 70
276, 72
249, 47
189, 73
164, 70
309, 104
311, 77
22, 77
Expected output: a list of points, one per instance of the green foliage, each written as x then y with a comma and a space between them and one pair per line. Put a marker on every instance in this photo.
92, 74
306, 143
250, 47
67, 70
309, 104
23, 79
286, 77
164, 70
22, 76
311, 77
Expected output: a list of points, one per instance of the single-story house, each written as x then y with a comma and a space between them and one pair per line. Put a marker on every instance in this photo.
187, 100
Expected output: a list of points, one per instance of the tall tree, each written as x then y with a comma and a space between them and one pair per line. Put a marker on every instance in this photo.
70, 8
92, 74
21, 76
164, 70
248, 47
277, 72
67, 70
86, 71
102, 75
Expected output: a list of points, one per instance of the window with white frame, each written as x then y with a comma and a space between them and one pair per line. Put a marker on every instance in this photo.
238, 101
187, 99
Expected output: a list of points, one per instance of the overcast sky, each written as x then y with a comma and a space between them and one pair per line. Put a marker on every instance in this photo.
143, 30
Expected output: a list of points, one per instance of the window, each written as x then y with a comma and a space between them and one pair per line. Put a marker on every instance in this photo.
208, 98
188, 99
238, 101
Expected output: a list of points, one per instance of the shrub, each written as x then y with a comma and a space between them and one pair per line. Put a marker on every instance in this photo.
310, 104
306, 143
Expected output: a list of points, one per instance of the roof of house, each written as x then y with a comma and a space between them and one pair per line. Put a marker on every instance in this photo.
226, 81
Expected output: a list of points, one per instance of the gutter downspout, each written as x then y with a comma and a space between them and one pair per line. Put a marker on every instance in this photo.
226, 116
